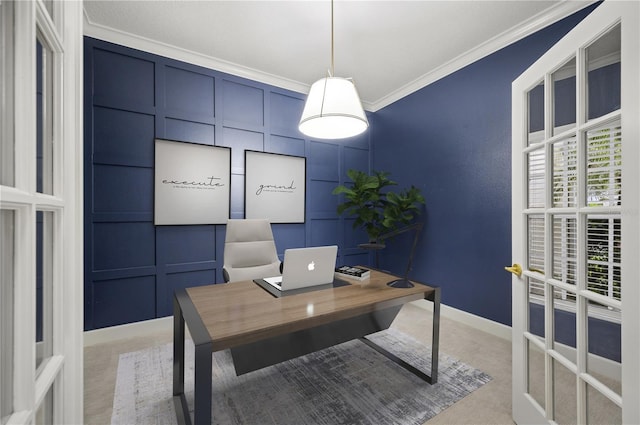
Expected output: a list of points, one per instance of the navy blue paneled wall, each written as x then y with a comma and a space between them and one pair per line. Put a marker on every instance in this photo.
452, 139
131, 97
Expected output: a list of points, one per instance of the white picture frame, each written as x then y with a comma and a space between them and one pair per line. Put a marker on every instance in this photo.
275, 186
192, 183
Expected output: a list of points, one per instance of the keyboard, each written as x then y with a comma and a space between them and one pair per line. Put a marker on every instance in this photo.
276, 282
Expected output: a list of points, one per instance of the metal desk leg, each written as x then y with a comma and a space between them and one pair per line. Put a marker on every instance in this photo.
435, 342
184, 313
202, 384
435, 336
179, 400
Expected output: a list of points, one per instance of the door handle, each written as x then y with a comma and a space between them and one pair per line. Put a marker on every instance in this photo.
515, 269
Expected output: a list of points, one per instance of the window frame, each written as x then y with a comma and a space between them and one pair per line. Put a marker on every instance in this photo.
55, 387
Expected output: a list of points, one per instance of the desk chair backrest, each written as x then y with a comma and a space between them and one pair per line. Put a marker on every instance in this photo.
249, 251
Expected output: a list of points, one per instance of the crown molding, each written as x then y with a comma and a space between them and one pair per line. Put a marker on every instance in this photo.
510, 36
536, 23
123, 38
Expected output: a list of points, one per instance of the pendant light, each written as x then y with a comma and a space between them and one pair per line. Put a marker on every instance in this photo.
333, 109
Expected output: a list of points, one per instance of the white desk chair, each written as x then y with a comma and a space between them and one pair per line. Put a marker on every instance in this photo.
249, 251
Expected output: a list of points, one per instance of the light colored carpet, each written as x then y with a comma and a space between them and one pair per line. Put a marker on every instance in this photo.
347, 384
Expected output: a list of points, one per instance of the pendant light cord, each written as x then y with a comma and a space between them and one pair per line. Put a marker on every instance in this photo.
332, 62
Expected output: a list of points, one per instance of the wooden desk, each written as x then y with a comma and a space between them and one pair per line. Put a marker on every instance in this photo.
262, 330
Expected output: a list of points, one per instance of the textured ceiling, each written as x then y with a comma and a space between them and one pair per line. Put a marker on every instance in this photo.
390, 48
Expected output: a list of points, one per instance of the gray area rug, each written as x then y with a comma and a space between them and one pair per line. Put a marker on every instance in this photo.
347, 384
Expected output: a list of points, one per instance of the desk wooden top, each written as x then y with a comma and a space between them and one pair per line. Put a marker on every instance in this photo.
242, 312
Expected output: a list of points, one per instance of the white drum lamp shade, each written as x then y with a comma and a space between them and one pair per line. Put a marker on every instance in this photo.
333, 110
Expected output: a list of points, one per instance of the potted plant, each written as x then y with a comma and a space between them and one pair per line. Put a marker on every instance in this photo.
377, 209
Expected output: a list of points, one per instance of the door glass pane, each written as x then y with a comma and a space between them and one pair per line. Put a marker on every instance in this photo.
536, 306
535, 99
604, 338
7, 150
565, 249
564, 97
603, 255
44, 285
535, 168
44, 117
565, 173
604, 166
564, 394
535, 373
6, 313
535, 234
564, 322
603, 79
564, 270
601, 410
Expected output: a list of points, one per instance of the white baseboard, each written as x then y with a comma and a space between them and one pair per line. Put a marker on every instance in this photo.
477, 322
597, 364
130, 330
137, 329
165, 324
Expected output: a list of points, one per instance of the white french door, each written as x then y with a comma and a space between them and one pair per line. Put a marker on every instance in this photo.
41, 300
576, 227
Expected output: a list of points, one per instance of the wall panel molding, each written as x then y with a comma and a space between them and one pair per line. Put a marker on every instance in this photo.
131, 263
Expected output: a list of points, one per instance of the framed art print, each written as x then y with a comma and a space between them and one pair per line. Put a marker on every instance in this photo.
275, 186
192, 183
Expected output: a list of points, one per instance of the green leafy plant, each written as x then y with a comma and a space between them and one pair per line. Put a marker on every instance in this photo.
377, 209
